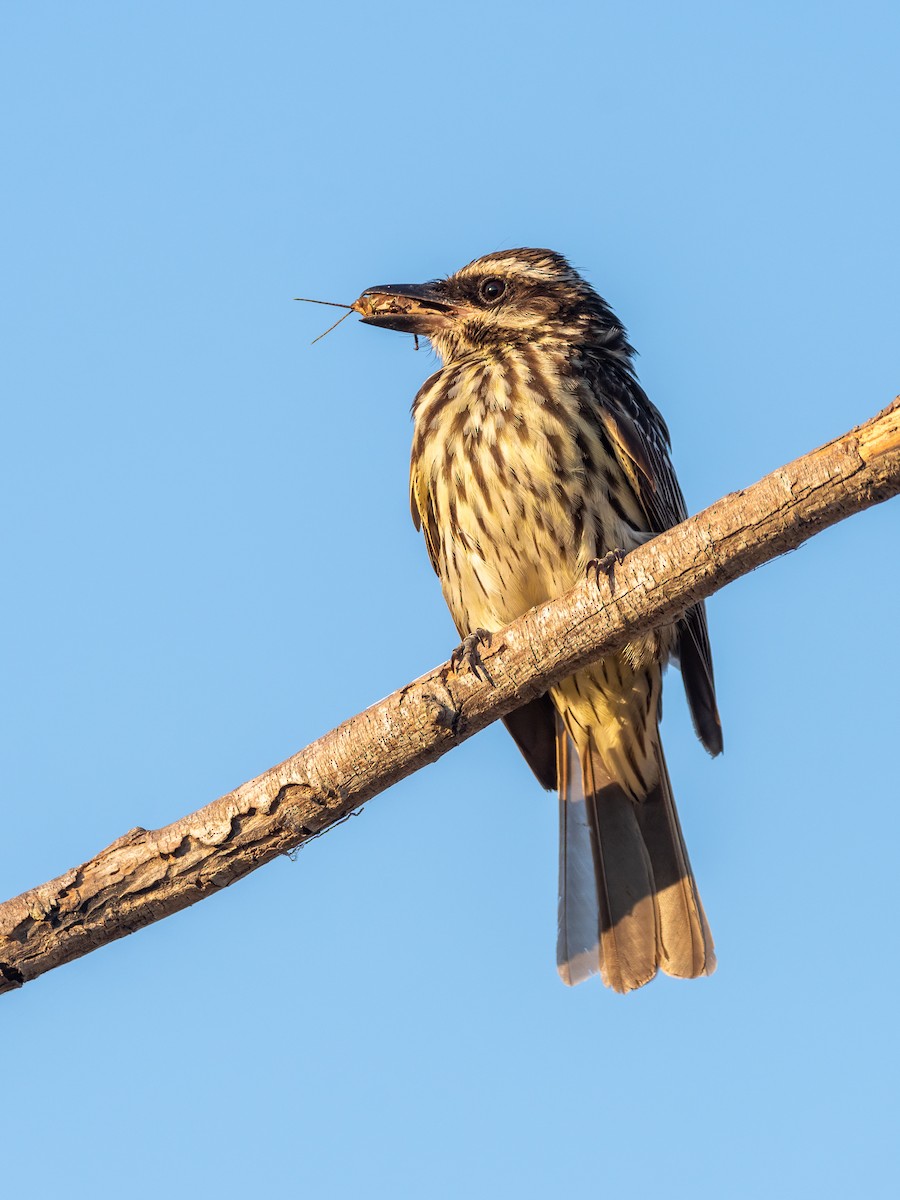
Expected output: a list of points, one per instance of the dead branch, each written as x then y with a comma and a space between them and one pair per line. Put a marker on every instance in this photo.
148, 874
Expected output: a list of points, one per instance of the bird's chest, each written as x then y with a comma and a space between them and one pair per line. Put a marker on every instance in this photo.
496, 464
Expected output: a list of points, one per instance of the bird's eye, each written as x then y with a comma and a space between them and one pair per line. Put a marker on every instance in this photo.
491, 289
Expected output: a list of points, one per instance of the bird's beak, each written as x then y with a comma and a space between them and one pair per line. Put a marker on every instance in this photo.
409, 307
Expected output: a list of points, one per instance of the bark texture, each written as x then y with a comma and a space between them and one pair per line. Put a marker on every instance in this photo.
148, 874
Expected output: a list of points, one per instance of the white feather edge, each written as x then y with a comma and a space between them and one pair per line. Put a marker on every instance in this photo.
578, 937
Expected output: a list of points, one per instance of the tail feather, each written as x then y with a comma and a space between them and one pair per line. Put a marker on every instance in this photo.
629, 935
578, 938
686, 944
628, 900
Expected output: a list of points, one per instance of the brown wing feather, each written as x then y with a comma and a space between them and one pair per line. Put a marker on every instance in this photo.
534, 731
641, 434
423, 516
695, 658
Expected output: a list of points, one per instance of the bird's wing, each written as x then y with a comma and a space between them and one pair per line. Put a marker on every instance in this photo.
640, 436
423, 515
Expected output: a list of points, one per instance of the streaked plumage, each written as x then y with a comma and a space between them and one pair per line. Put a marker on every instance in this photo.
535, 451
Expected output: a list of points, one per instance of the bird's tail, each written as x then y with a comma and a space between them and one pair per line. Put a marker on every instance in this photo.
628, 902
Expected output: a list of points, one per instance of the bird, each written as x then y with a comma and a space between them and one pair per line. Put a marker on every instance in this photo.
536, 455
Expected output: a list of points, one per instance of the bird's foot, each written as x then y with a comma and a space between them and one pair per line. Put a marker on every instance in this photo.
606, 566
468, 656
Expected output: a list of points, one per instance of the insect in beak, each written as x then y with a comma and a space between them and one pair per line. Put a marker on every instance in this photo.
331, 304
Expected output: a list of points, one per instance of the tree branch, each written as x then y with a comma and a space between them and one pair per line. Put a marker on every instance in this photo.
148, 874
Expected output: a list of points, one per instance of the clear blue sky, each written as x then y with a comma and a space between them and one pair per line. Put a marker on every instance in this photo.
209, 561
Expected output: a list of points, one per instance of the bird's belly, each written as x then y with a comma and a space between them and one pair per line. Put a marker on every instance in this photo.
516, 529
505, 561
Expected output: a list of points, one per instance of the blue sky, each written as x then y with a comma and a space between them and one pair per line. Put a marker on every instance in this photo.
209, 562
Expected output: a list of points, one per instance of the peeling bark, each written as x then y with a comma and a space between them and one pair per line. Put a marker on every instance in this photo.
148, 874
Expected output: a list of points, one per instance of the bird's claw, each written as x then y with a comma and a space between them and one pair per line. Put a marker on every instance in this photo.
606, 565
467, 655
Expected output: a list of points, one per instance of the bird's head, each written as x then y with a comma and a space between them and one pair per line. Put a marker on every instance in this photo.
505, 299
